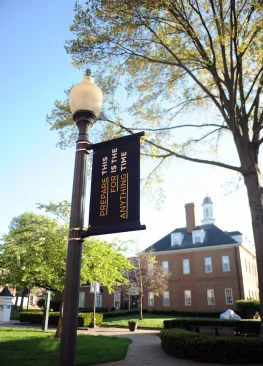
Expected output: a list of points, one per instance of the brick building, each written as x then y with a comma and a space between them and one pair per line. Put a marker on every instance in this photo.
209, 269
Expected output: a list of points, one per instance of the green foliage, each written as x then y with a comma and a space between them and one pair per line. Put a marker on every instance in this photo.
170, 57
33, 253
54, 305
84, 319
27, 347
202, 348
248, 308
241, 326
104, 262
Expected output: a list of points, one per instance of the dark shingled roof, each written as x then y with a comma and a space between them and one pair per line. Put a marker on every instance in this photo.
6, 292
213, 236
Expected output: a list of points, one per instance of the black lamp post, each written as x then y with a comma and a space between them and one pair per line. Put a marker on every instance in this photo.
85, 102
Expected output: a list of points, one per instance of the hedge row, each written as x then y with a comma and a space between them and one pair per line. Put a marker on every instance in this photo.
248, 308
251, 327
189, 314
202, 348
111, 314
84, 319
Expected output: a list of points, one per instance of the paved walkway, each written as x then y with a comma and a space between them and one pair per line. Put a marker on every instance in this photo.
145, 349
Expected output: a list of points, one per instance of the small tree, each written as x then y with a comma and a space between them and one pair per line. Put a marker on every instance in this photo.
146, 276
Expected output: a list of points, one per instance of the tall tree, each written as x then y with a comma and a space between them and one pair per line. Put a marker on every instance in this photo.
33, 254
172, 56
146, 276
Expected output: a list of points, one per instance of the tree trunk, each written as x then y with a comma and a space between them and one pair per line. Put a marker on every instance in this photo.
60, 319
15, 306
28, 298
141, 314
21, 304
255, 197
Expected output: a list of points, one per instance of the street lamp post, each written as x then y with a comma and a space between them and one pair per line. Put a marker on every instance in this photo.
85, 102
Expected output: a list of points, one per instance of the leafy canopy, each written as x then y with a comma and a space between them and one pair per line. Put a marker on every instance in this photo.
33, 253
172, 56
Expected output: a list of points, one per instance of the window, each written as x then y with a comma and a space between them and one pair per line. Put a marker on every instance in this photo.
208, 265
206, 212
210, 297
198, 236
31, 300
229, 296
246, 264
150, 269
150, 299
187, 298
176, 239
165, 266
117, 299
225, 263
166, 298
82, 299
99, 301
186, 266
249, 269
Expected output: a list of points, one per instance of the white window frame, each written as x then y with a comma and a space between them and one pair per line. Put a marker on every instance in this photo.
150, 299
225, 262
186, 266
229, 295
82, 295
166, 298
165, 267
150, 269
208, 265
98, 300
117, 299
176, 239
210, 299
187, 298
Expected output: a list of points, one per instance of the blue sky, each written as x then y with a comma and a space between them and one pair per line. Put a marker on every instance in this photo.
35, 70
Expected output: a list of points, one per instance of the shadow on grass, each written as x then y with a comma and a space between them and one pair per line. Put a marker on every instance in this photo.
27, 348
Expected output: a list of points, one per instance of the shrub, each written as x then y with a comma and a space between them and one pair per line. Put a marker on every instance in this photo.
84, 319
189, 314
248, 308
54, 304
251, 327
202, 348
98, 310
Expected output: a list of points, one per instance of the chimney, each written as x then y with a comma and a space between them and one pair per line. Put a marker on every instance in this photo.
190, 217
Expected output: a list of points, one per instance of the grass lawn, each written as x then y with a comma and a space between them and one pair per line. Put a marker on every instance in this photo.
33, 347
151, 321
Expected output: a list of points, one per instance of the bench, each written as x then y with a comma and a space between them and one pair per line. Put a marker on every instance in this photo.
217, 331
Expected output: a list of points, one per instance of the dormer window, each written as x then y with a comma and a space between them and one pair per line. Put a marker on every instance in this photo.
176, 239
198, 236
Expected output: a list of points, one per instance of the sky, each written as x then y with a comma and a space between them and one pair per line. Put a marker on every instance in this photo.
35, 70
